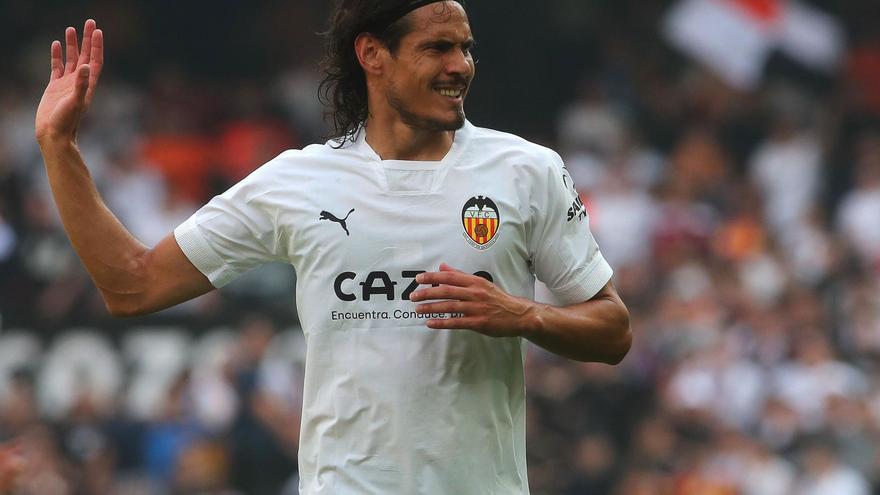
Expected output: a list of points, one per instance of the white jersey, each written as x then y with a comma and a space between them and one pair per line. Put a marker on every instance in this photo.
391, 406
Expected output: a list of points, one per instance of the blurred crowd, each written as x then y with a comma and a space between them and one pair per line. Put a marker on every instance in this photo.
743, 226
159, 410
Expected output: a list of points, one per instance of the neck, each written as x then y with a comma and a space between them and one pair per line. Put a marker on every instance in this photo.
394, 140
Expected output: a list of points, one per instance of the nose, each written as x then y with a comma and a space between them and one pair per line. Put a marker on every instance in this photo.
459, 62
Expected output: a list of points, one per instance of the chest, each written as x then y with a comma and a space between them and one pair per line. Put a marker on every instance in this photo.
354, 222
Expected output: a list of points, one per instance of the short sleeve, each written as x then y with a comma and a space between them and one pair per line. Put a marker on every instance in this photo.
235, 232
563, 252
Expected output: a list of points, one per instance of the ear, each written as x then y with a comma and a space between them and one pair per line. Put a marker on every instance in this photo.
369, 51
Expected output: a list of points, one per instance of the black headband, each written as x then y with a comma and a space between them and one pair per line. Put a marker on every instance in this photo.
388, 18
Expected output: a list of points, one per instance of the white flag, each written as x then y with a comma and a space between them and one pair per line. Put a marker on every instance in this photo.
734, 38
811, 37
725, 37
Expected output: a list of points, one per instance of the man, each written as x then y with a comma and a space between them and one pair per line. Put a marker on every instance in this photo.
414, 379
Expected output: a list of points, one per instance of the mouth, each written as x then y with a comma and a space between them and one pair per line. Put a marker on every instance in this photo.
452, 93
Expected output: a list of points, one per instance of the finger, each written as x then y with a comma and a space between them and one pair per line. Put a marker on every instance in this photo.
463, 323
446, 268
86, 51
97, 55
72, 55
56, 64
96, 62
447, 307
443, 292
449, 278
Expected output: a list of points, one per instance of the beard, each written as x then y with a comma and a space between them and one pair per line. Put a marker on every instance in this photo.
421, 122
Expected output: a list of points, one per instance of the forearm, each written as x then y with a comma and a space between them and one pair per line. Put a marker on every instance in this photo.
595, 330
111, 255
133, 280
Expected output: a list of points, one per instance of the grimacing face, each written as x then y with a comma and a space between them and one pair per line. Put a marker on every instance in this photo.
432, 69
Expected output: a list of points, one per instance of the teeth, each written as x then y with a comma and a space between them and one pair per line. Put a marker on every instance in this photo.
454, 93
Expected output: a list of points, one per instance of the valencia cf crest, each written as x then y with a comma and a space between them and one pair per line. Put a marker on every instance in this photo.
481, 221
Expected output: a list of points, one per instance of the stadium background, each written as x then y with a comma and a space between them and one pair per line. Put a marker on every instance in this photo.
742, 217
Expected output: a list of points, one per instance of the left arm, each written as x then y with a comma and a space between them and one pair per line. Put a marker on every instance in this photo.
594, 330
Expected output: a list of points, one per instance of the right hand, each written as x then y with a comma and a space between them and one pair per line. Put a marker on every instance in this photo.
71, 84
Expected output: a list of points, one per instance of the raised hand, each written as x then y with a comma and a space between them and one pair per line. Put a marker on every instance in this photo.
485, 307
72, 83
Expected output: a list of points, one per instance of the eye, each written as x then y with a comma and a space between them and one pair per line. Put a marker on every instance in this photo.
441, 47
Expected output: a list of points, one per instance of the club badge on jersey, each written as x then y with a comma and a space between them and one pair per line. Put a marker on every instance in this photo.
481, 221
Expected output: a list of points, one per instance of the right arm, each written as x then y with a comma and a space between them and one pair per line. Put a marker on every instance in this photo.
132, 278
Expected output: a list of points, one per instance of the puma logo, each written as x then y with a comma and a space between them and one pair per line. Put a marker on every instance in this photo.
326, 215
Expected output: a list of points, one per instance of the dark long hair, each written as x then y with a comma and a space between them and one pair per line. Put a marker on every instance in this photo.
344, 87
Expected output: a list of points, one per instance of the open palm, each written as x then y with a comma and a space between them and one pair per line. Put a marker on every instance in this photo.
71, 84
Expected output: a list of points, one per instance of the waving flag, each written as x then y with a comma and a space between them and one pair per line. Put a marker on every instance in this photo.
734, 38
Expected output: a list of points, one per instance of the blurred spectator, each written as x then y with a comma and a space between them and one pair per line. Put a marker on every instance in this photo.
172, 433
18, 409
858, 210
61, 287
595, 463
787, 168
46, 472
623, 218
864, 75
764, 472
138, 195
264, 436
203, 468
813, 378
719, 383
824, 473
591, 124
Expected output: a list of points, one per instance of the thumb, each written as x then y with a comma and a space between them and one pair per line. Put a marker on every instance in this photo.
82, 81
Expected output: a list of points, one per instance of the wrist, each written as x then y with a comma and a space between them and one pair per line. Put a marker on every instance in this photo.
534, 319
53, 141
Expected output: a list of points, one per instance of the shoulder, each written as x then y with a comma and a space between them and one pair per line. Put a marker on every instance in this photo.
536, 164
516, 147
310, 160
289, 173
539, 166
309, 154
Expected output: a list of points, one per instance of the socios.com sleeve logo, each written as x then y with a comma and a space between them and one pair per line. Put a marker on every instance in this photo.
481, 221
